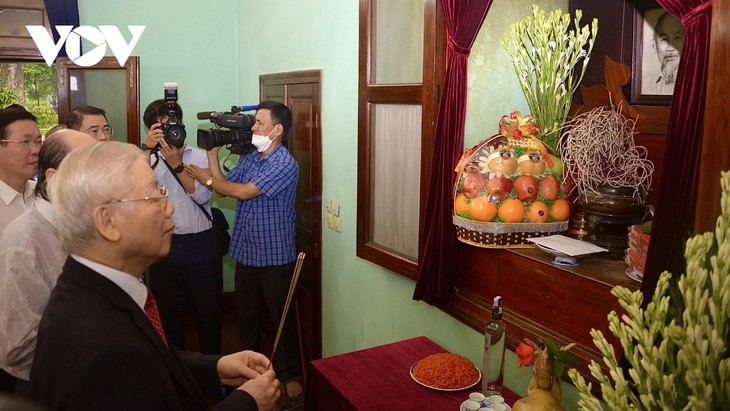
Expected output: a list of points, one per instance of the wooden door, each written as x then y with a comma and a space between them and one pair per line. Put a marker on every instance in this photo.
300, 91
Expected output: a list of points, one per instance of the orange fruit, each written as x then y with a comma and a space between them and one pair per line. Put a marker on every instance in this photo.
481, 209
560, 210
538, 212
512, 210
460, 205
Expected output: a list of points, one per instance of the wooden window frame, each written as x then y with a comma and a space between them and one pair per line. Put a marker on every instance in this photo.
131, 77
370, 94
23, 48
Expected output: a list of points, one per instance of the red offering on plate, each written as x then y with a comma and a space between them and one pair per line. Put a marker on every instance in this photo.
445, 371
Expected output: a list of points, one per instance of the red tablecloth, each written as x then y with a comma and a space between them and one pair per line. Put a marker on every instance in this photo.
379, 379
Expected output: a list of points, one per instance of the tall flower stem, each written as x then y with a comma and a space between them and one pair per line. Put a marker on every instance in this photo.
545, 51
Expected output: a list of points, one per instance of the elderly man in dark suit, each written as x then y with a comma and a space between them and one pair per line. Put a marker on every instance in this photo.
100, 344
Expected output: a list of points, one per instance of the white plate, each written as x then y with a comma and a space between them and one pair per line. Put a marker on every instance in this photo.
445, 389
559, 258
633, 274
462, 407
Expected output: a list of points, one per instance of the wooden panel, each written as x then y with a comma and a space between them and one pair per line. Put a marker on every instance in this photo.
715, 141
541, 300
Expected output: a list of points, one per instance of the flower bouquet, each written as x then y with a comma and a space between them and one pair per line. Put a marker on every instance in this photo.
677, 346
545, 51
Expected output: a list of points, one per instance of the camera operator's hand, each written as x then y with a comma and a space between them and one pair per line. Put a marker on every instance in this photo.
173, 155
154, 136
200, 174
213, 151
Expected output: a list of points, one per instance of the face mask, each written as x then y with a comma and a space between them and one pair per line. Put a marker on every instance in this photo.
261, 142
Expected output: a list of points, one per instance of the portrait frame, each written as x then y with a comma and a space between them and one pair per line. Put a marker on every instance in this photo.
645, 65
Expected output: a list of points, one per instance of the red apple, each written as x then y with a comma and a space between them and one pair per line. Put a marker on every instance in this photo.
474, 182
499, 184
526, 188
549, 188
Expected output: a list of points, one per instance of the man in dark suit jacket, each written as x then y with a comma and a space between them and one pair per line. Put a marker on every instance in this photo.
97, 349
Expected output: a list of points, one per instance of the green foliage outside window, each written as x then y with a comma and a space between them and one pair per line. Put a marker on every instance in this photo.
8, 96
40, 89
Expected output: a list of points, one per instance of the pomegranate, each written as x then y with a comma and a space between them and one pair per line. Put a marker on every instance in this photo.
474, 182
525, 188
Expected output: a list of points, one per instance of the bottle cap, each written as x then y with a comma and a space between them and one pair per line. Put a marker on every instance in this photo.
497, 308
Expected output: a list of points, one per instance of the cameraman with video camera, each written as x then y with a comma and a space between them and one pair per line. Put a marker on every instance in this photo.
189, 278
264, 182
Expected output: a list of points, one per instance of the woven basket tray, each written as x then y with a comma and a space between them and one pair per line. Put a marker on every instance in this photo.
494, 234
502, 235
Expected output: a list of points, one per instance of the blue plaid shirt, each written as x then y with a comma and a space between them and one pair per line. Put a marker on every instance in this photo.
263, 228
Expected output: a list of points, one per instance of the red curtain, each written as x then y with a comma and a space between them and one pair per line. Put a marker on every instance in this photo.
675, 208
437, 248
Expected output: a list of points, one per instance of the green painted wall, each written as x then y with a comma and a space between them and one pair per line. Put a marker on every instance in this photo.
216, 50
190, 42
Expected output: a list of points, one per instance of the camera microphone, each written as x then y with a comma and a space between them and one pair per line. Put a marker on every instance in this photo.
204, 115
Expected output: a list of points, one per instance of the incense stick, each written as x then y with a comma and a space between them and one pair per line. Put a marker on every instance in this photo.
292, 287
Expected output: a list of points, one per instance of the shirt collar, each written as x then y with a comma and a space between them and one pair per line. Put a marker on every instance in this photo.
7, 193
46, 210
131, 285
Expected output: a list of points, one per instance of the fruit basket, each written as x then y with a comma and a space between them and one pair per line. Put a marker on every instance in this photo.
510, 189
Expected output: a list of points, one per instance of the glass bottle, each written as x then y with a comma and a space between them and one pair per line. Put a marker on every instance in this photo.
494, 338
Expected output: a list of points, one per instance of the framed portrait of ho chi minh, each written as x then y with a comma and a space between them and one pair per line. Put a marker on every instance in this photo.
658, 39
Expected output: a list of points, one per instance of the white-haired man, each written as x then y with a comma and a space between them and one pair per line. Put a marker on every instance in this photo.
100, 342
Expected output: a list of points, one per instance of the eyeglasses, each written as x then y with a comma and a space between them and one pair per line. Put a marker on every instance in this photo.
162, 198
27, 143
107, 131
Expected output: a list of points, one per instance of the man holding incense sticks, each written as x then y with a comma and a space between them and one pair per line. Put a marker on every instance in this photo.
264, 182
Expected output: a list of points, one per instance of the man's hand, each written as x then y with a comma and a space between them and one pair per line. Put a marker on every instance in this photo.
200, 174
235, 369
154, 136
248, 371
213, 152
264, 389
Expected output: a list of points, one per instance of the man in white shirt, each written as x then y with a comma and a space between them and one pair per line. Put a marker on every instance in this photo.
190, 278
31, 258
20, 142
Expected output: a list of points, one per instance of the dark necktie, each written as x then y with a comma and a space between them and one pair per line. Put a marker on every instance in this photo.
153, 314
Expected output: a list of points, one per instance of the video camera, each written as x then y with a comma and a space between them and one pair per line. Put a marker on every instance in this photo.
238, 133
173, 129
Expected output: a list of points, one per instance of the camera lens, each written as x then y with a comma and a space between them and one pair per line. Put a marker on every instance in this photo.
174, 134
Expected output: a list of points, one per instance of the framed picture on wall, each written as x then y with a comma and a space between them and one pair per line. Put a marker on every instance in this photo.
657, 47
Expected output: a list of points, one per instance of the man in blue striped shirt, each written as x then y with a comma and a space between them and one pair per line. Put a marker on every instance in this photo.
264, 182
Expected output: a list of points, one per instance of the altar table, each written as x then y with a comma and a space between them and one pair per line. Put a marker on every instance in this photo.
379, 379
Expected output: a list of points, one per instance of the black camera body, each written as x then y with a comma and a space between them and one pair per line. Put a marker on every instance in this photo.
236, 132
173, 129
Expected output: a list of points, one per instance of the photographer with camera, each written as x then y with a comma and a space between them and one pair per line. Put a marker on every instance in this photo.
264, 183
190, 277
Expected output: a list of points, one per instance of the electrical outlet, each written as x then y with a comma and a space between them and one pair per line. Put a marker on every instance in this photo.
336, 223
328, 217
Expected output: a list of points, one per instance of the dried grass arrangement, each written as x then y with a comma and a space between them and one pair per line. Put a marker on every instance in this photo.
598, 149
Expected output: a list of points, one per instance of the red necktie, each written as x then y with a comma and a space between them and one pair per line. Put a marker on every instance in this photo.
153, 314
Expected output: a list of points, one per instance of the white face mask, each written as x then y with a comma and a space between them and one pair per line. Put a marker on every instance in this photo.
261, 142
